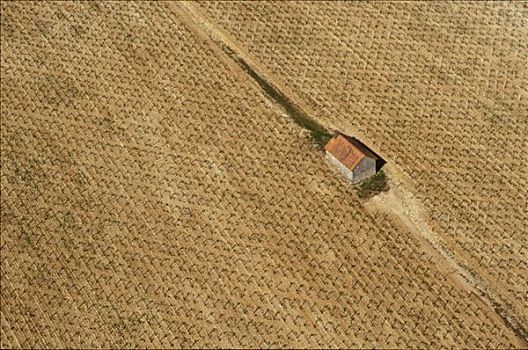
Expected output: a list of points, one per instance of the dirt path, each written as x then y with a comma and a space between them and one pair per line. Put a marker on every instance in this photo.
400, 202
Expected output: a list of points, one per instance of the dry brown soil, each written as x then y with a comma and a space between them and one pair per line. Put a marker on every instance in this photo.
153, 196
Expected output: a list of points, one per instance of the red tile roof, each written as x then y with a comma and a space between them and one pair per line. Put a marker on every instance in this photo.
348, 150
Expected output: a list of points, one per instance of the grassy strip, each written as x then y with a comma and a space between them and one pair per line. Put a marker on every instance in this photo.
319, 134
373, 185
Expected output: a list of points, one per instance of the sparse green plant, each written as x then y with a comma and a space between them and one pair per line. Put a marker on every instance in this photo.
373, 185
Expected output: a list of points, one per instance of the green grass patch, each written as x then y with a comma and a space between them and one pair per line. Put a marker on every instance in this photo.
373, 185
319, 134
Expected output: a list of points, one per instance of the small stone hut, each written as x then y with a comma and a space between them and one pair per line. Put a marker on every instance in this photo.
355, 160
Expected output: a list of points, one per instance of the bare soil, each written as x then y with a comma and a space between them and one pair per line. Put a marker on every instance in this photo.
153, 195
